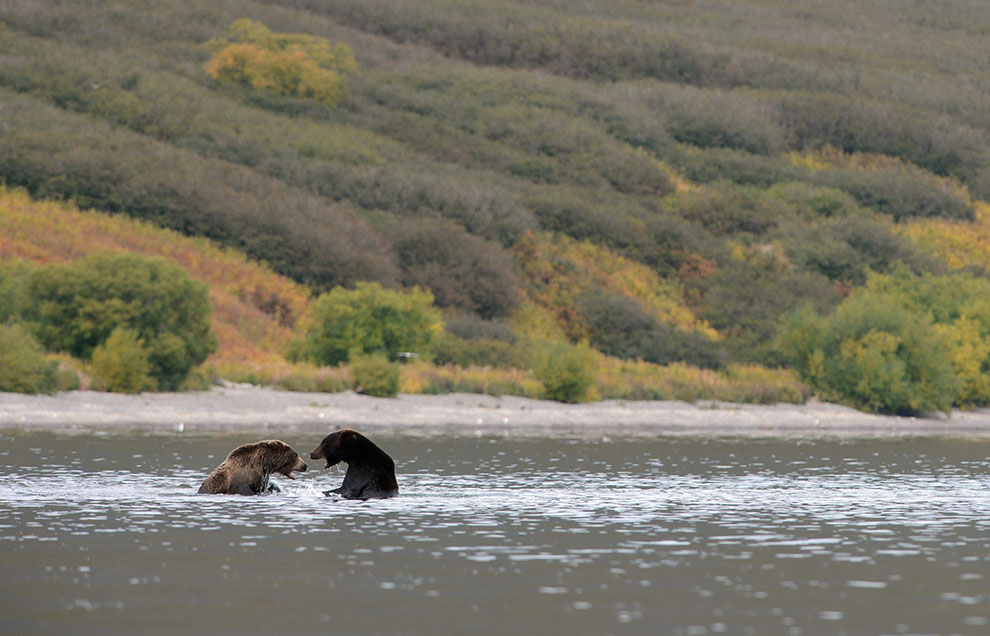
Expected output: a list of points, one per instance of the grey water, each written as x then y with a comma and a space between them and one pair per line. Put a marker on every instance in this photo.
104, 533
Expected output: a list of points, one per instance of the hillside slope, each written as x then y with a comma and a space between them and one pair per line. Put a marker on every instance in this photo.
254, 309
755, 156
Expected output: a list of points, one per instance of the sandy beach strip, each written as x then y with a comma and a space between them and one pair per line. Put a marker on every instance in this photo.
249, 408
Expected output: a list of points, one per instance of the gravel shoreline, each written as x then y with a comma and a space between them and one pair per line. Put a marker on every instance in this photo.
234, 408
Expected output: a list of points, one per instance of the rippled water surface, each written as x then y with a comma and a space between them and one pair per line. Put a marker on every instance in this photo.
105, 534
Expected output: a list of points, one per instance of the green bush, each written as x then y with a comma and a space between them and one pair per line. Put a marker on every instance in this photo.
874, 353
68, 379
603, 217
78, 306
743, 168
14, 294
811, 202
566, 371
745, 301
369, 319
901, 193
469, 341
121, 363
960, 309
725, 208
471, 327
923, 340
935, 142
23, 367
481, 352
463, 271
374, 375
845, 249
720, 119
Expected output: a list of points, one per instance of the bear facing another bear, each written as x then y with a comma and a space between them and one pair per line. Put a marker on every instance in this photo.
370, 471
246, 469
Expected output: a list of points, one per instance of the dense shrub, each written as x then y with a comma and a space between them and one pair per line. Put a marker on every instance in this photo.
573, 45
369, 319
54, 154
463, 271
845, 249
557, 146
725, 209
15, 297
578, 213
480, 352
737, 166
481, 203
938, 143
744, 301
813, 202
958, 305
121, 363
674, 242
280, 63
899, 193
23, 367
471, 327
874, 353
719, 119
469, 341
621, 327
78, 306
113, 110
374, 375
566, 371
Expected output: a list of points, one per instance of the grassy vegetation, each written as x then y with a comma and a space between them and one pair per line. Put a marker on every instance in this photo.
665, 180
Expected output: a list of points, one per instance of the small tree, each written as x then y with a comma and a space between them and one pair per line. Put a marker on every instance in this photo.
23, 367
370, 319
78, 306
374, 375
566, 371
122, 363
876, 353
291, 64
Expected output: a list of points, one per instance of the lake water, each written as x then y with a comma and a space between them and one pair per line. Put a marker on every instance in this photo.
105, 534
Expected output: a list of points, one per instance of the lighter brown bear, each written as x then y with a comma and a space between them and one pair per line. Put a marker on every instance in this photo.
247, 468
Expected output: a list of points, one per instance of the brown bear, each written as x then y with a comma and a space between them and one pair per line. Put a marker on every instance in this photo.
370, 471
247, 468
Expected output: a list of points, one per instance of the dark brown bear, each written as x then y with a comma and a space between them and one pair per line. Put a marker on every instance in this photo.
247, 468
370, 471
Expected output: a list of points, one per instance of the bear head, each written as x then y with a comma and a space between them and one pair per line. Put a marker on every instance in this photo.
269, 456
344, 445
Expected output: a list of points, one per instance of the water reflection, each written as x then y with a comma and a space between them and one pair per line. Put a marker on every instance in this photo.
492, 535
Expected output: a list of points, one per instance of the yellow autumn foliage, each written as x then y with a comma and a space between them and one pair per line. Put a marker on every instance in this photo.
961, 244
559, 269
290, 64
